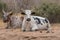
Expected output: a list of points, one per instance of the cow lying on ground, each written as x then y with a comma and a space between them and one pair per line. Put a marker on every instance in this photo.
35, 22
13, 21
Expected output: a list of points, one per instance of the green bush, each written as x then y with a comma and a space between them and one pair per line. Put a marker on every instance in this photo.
2, 6
50, 11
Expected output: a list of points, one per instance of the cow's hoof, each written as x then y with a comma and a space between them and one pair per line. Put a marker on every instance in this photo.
40, 31
31, 30
24, 30
52, 32
36, 30
7, 28
47, 32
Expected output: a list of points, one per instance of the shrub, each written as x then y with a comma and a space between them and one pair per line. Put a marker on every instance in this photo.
2, 6
50, 11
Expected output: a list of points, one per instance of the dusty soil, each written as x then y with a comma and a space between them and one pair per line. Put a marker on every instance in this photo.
17, 34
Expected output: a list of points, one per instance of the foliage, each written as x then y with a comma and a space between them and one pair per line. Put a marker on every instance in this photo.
2, 6
50, 11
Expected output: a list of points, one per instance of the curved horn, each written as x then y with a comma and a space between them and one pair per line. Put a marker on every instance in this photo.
11, 12
3, 12
33, 9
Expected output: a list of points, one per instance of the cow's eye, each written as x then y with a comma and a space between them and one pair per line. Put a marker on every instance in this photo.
23, 13
32, 13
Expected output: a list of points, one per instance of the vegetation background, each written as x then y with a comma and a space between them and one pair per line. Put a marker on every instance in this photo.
45, 8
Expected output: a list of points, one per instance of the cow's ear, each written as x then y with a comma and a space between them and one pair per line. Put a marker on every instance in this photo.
11, 13
33, 13
22, 13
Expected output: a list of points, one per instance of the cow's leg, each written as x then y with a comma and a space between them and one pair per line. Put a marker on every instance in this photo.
34, 26
41, 31
23, 26
49, 28
8, 25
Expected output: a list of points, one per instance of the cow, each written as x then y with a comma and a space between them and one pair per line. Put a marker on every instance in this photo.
12, 20
28, 20
36, 22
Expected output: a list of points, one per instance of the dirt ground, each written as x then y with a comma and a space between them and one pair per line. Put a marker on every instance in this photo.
17, 34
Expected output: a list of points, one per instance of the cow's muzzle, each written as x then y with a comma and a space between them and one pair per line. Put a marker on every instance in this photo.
28, 19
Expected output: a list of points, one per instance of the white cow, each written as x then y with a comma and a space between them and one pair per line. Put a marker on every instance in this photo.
36, 22
30, 20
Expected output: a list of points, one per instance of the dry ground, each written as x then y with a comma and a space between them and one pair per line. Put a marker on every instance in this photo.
17, 34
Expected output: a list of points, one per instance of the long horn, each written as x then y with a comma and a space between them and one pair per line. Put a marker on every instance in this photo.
10, 12
33, 9
3, 11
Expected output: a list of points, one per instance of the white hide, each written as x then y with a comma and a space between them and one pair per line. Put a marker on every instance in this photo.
44, 24
33, 22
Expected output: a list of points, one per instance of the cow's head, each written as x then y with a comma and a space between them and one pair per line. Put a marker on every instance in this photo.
28, 14
6, 16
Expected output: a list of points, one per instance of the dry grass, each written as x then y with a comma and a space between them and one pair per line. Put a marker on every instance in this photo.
16, 34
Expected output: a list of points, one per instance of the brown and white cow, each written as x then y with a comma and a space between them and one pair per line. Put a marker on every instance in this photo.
12, 20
